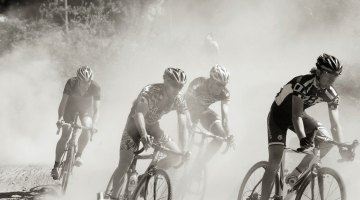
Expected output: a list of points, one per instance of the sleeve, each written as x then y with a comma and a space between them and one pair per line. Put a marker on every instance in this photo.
143, 96
68, 87
180, 104
298, 88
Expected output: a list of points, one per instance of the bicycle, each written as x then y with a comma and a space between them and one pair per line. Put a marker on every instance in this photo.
150, 183
68, 158
305, 186
197, 186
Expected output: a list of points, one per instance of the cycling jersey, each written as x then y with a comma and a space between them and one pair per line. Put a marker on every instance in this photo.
153, 96
80, 103
280, 116
306, 87
199, 98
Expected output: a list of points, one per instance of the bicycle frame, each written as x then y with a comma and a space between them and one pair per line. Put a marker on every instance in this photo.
155, 158
70, 144
312, 171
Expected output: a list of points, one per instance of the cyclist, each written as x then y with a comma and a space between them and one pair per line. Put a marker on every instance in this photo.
152, 103
81, 95
201, 93
288, 112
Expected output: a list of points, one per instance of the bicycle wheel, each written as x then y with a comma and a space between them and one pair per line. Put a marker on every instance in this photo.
154, 187
67, 168
327, 185
250, 188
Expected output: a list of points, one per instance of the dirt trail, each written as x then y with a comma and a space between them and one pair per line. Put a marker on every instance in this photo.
26, 182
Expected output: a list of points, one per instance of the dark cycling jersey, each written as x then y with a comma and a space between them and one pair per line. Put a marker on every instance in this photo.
153, 95
81, 103
199, 98
306, 88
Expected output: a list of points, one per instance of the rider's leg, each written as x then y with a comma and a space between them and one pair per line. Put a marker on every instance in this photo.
275, 156
127, 149
85, 135
311, 127
214, 146
61, 144
277, 141
212, 123
159, 136
170, 160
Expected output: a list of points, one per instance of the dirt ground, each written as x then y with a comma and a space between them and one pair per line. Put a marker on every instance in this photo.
27, 182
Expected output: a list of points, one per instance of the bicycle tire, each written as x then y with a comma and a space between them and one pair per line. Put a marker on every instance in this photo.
145, 182
323, 172
256, 166
67, 169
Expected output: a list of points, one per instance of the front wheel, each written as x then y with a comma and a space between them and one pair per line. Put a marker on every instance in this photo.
156, 186
250, 188
67, 169
327, 185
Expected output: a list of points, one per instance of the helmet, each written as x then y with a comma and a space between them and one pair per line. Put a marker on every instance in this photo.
175, 74
328, 63
85, 73
219, 74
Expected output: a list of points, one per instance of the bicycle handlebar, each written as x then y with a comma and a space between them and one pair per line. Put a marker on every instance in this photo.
76, 126
228, 140
161, 148
348, 147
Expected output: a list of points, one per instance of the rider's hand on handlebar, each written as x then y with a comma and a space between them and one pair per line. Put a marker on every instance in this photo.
306, 142
187, 155
347, 154
59, 123
231, 140
94, 130
146, 140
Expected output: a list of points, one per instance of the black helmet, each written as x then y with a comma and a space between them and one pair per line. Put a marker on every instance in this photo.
329, 63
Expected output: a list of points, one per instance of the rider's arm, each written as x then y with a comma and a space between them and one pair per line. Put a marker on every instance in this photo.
96, 112
335, 124
297, 112
183, 122
141, 109
62, 106
224, 115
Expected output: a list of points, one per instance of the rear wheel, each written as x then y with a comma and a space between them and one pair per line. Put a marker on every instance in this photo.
154, 187
250, 188
327, 185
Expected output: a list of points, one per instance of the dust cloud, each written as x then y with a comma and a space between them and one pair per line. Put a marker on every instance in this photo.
262, 44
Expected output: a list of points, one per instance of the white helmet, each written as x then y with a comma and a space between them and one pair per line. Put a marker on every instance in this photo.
85, 73
219, 74
176, 75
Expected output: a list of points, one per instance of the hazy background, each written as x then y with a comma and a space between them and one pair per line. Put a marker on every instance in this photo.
262, 44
